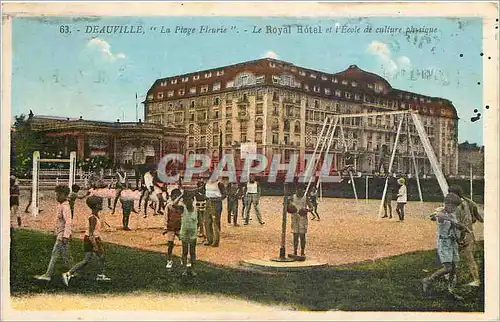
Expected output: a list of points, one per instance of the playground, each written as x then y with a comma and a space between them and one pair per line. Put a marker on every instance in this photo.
348, 232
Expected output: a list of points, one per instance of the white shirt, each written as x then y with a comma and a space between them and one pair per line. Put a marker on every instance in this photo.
148, 179
212, 190
252, 187
402, 196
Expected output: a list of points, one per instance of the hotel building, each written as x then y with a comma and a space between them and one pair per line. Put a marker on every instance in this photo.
281, 107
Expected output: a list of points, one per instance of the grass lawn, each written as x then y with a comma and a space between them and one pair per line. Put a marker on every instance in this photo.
391, 284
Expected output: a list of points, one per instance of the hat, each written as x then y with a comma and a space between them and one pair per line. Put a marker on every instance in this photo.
401, 180
452, 199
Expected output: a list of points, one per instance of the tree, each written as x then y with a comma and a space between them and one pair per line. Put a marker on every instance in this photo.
24, 141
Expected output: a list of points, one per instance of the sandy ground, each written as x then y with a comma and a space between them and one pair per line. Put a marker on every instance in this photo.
348, 232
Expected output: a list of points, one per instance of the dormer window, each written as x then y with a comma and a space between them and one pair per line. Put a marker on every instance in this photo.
272, 65
347, 95
302, 73
323, 77
327, 91
259, 79
370, 86
229, 84
173, 81
316, 89
306, 87
216, 87
192, 90
204, 89
208, 75
196, 77
354, 84
181, 91
357, 97
344, 82
335, 80
338, 93
159, 95
276, 79
421, 99
150, 97
313, 75
220, 72
443, 112
170, 93
163, 84
185, 79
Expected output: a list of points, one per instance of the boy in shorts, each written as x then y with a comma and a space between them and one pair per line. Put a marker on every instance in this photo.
173, 223
189, 227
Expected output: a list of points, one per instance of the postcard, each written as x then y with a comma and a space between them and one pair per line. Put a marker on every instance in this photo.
257, 161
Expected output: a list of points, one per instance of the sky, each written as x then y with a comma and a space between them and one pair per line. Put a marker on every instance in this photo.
60, 69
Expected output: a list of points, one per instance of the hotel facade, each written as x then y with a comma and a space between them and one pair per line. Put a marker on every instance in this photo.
281, 107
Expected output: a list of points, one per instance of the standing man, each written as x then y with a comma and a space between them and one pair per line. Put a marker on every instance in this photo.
215, 192
467, 214
252, 196
233, 195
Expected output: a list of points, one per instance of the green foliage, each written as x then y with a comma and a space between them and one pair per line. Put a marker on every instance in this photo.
391, 284
95, 163
24, 141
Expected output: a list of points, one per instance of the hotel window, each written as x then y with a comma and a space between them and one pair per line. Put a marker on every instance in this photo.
323, 77
259, 79
258, 137
203, 141
178, 117
220, 72
229, 139
347, 95
216, 87
354, 84
313, 75
181, 91
191, 141
192, 90
217, 101
215, 140
316, 103
170, 105
204, 89
192, 104
370, 86
150, 97
306, 87
191, 117
302, 73
191, 129
170, 93
229, 111
229, 84
259, 109
286, 81
327, 91
185, 79
344, 82
297, 127
272, 65
173, 81
260, 95
335, 80
163, 84
316, 89
276, 79
259, 124
357, 97
338, 93
196, 77
275, 138
160, 95
208, 75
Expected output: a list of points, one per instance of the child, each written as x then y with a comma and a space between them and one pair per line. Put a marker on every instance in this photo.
447, 241
233, 195
388, 199
313, 199
63, 232
172, 223
127, 198
402, 198
92, 243
73, 196
14, 200
189, 227
299, 219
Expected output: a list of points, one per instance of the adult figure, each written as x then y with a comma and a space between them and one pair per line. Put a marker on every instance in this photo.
402, 199
201, 204
121, 183
215, 192
467, 214
252, 193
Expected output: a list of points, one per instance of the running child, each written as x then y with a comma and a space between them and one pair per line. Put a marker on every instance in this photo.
92, 244
62, 231
173, 223
313, 199
447, 242
189, 227
298, 206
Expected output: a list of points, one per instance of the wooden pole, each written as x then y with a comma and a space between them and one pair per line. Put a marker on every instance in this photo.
366, 189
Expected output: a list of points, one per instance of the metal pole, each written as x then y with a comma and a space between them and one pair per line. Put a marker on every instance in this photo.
381, 208
283, 223
344, 143
366, 189
471, 181
415, 167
